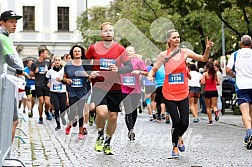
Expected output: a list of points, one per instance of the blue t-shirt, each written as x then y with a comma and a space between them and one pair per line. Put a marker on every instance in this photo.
29, 82
80, 85
160, 76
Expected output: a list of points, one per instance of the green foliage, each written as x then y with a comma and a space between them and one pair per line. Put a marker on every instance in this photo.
194, 19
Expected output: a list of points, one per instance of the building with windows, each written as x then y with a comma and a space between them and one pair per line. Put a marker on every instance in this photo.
47, 24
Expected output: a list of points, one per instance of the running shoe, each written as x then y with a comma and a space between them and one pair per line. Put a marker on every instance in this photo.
154, 116
151, 118
85, 132
159, 118
58, 127
210, 123
99, 144
40, 121
248, 140
196, 120
80, 136
91, 119
163, 116
167, 119
216, 115
48, 116
107, 150
181, 145
67, 130
175, 152
30, 114
131, 135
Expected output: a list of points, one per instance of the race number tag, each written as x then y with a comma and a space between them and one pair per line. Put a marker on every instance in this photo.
32, 87
77, 83
57, 87
42, 70
105, 63
177, 78
127, 80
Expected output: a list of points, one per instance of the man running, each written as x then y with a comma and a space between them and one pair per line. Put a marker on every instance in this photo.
108, 58
239, 66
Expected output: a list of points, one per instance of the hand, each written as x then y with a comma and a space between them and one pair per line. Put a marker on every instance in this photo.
113, 68
209, 43
136, 72
49, 85
94, 74
69, 81
58, 79
150, 78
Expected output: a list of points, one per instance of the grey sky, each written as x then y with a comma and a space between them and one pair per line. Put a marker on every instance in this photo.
98, 3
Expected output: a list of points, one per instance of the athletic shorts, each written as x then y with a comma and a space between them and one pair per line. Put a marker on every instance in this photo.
244, 96
159, 98
28, 91
110, 98
195, 92
210, 94
150, 89
21, 95
42, 91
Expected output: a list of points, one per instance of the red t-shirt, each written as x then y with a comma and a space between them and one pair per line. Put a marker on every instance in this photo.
102, 58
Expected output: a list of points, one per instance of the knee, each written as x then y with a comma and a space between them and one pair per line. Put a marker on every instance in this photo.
15, 123
113, 116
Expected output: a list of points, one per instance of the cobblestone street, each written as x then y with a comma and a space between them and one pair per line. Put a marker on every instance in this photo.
218, 145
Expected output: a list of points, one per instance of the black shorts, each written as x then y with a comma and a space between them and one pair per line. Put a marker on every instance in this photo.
110, 98
159, 98
28, 91
42, 91
150, 89
210, 94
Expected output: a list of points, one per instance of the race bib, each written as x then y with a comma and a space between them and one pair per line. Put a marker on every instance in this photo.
77, 83
32, 87
57, 87
177, 78
105, 63
42, 70
127, 80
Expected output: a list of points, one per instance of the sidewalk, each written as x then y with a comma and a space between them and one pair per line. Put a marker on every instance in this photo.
152, 147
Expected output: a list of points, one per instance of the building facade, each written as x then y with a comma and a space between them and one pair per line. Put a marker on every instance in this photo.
47, 24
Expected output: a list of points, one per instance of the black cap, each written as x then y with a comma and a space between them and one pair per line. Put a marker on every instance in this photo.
9, 14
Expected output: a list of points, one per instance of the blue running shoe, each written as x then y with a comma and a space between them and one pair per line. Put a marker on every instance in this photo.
48, 116
40, 121
248, 139
175, 152
181, 145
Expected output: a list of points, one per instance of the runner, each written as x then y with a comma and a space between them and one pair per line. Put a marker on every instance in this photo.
240, 63
175, 88
76, 77
40, 69
131, 90
107, 56
195, 90
57, 86
30, 88
211, 81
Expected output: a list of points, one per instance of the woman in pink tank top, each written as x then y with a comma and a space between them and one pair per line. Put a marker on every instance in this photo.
210, 80
175, 88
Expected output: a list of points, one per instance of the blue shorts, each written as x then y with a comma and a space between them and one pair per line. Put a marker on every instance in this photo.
244, 96
148, 101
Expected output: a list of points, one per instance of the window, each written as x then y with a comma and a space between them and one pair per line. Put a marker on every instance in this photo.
63, 18
29, 18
